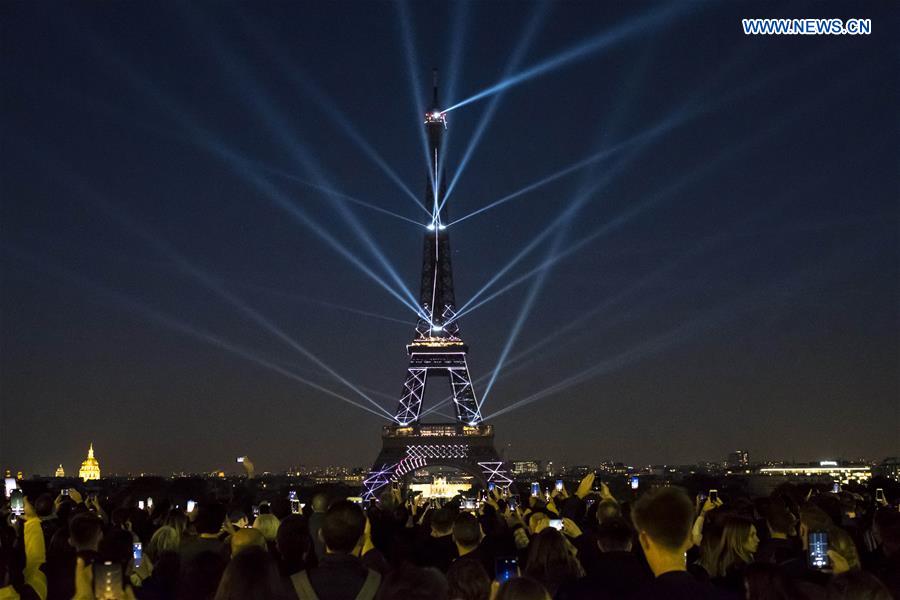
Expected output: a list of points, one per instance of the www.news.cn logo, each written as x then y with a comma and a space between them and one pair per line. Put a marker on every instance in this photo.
807, 26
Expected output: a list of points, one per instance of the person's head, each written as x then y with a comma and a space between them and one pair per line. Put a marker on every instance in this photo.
177, 520
442, 522
294, 543
738, 544
281, 507
608, 509
841, 542
238, 518
320, 503
779, 520
43, 505
466, 532
812, 518
857, 585
468, 580
119, 517
549, 560
165, 539
85, 531
614, 535
210, 518
251, 575
522, 588
414, 583
247, 537
116, 546
663, 518
343, 527
267, 525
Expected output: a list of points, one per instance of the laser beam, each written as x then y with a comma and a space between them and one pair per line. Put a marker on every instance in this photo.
637, 25
121, 300
512, 64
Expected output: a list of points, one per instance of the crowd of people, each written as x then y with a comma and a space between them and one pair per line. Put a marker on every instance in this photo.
583, 545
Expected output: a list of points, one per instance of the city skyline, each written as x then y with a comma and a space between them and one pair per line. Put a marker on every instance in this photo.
212, 235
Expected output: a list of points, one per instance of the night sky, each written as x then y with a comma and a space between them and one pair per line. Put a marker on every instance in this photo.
729, 281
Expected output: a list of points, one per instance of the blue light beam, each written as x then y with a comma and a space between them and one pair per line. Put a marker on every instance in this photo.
638, 25
487, 116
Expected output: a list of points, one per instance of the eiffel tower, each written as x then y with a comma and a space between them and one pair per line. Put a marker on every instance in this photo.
436, 351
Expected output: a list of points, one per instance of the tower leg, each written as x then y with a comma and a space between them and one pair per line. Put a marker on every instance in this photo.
413, 390
467, 410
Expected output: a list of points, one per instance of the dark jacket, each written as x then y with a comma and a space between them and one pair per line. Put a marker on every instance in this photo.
614, 575
338, 577
680, 585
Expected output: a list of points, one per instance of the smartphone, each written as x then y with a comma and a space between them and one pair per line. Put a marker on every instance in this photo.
295, 507
149, 502
589, 500
491, 486
505, 568
713, 495
355, 499
818, 550
17, 502
240, 459
141, 504
635, 482
836, 488
255, 508
469, 504
64, 492
556, 524
191, 505
535, 489
292, 495
108, 581
512, 502
559, 485
879, 495
10, 486
137, 554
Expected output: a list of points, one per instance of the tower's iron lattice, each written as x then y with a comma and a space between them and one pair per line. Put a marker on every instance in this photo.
436, 351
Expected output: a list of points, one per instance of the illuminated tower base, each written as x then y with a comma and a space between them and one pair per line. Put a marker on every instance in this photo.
467, 448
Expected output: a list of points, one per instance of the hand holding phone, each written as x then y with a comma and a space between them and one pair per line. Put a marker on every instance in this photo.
137, 554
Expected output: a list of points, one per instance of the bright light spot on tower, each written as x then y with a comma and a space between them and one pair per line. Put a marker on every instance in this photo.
442, 227
436, 115
430, 227
437, 328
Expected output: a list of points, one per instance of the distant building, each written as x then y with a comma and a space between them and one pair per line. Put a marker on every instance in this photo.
738, 459
525, 468
889, 467
60, 472
827, 468
440, 488
90, 468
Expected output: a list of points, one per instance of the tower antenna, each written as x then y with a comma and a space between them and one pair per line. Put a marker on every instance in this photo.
434, 81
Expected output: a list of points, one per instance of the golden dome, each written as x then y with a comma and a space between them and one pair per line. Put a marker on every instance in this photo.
90, 467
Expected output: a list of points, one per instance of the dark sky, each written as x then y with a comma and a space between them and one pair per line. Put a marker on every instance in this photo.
732, 279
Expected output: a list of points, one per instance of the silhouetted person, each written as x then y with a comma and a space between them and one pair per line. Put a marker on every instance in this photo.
663, 518
252, 575
467, 580
340, 574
